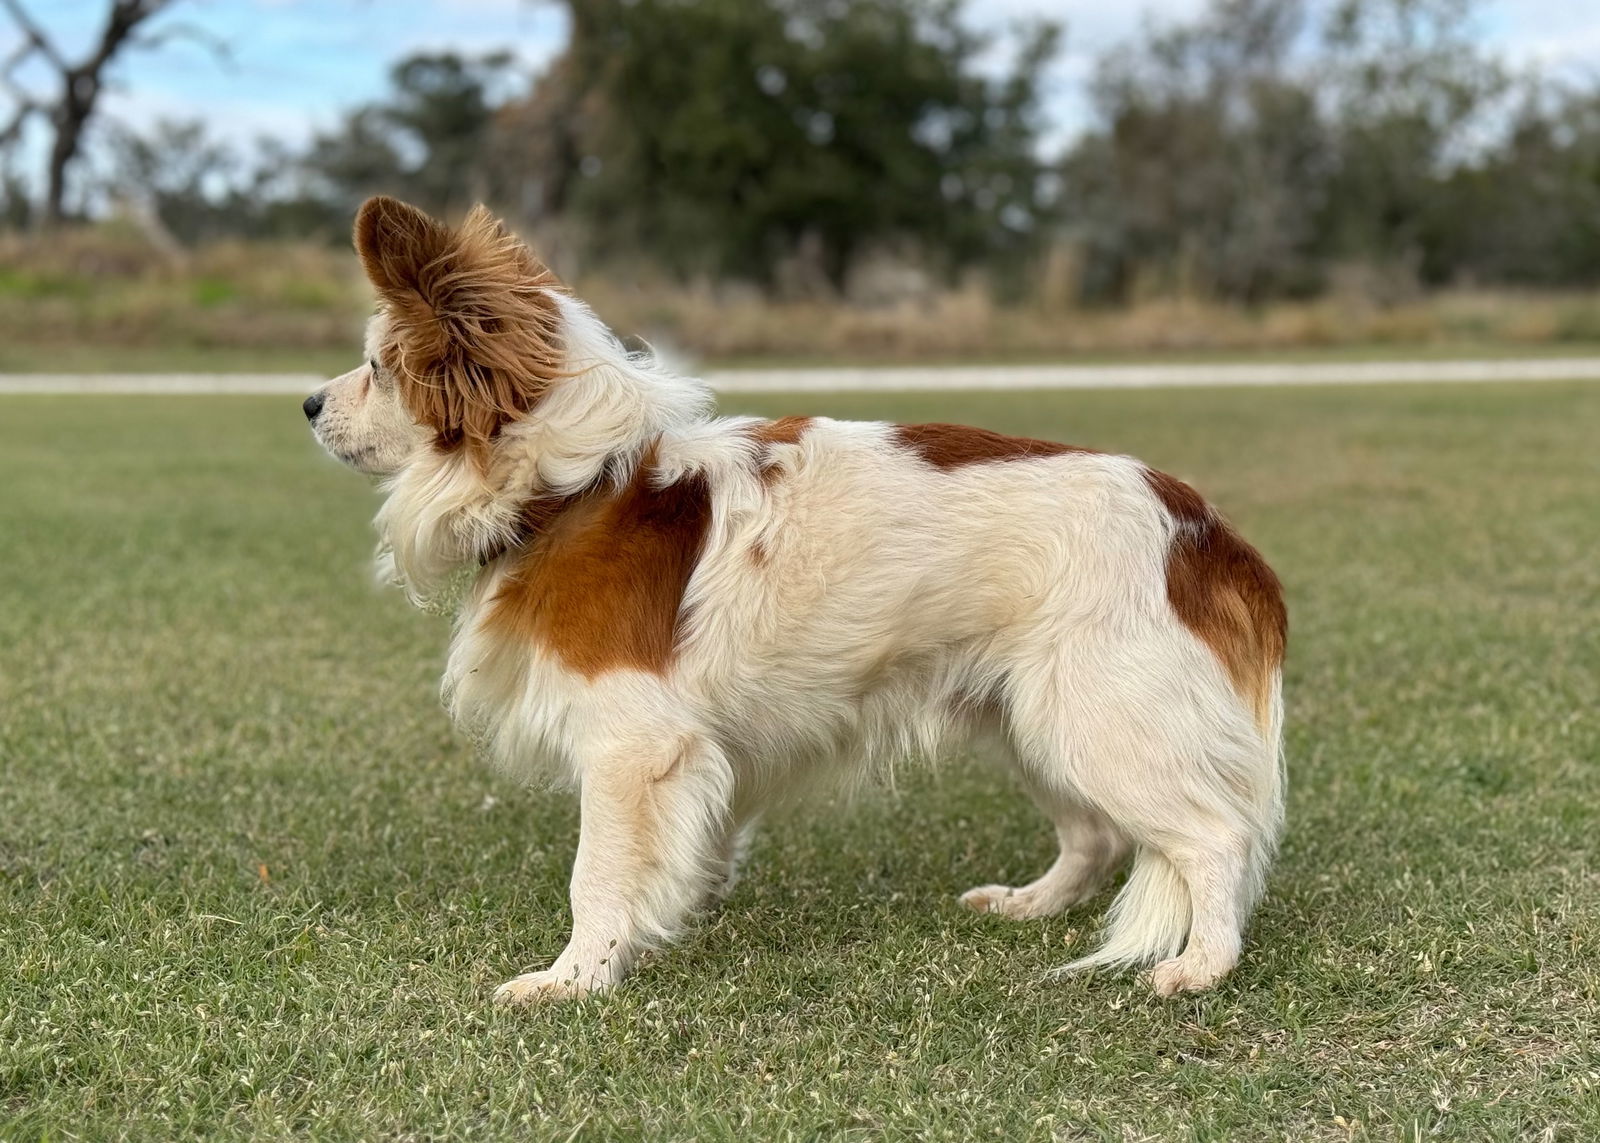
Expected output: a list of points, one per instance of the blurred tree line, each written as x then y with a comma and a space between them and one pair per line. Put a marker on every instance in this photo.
1266, 149
1273, 145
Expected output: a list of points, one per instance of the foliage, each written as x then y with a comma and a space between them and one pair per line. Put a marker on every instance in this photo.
108, 298
1528, 211
1261, 150
1270, 144
727, 135
428, 142
1207, 169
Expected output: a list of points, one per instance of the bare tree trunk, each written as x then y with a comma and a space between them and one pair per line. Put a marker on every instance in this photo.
68, 122
81, 85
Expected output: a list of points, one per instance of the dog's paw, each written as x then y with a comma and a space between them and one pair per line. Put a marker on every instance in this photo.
1185, 974
987, 898
1018, 904
542, 988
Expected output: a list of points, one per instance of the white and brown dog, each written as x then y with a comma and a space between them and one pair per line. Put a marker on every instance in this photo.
687, 616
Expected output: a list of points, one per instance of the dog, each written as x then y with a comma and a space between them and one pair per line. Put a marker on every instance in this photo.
688, 617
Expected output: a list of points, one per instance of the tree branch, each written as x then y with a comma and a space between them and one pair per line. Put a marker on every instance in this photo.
27, 105
125, 16
33, 36
82, 83
219, 48
13, 130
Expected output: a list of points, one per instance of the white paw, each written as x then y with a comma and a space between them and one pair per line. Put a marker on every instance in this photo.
1186, 974
543, 987
1023, 904
1017, 904
987, 898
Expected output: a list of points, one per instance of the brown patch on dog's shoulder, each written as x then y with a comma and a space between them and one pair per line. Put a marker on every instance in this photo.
601, 587
1224, 592
954, 446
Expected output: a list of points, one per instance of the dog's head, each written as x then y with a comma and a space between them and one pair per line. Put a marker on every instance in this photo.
464, 342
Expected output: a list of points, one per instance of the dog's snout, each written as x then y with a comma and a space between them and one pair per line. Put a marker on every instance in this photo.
313, 404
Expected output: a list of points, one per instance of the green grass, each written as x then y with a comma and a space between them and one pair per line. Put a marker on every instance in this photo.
252, 886
1314, 355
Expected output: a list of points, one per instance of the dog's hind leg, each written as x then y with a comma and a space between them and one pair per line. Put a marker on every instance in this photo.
1091, 849
1214, 867
1154, 739
654, 819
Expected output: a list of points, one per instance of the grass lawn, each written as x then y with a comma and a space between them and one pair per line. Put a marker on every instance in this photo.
252, 885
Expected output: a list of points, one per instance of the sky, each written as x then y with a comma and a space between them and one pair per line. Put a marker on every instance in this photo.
292, 66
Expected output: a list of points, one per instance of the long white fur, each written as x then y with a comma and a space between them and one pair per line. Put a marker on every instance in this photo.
896, 610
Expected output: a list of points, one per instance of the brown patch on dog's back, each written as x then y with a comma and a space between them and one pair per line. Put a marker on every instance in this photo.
954, 446
1224, 592
602, 586
783, 431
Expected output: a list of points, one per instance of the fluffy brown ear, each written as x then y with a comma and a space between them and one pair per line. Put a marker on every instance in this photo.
472, 322
396, 241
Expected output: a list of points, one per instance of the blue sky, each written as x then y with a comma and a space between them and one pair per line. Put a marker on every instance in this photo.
295, 64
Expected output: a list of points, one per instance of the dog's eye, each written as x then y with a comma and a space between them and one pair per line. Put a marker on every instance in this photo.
372, 362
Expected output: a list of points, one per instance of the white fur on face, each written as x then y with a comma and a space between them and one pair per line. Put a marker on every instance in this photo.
363, 421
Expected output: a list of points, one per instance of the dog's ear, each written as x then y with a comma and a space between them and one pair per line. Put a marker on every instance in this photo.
396, 242
472, 317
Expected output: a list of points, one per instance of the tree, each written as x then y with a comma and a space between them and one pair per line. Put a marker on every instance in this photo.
1405, 85
722, 135
1248, 152
70, 112
1528, 210
174, 177
1205, 170
428, 141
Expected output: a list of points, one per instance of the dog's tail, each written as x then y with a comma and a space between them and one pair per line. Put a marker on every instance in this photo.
1148, 921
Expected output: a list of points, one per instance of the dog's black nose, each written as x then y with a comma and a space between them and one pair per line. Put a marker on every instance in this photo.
313, 405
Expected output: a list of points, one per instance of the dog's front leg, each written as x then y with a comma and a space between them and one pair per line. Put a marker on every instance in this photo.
654, 818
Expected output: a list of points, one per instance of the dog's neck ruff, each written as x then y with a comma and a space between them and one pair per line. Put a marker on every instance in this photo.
590, 430
534, 517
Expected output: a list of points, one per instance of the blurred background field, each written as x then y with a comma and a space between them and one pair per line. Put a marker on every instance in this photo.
100, 298
746, 181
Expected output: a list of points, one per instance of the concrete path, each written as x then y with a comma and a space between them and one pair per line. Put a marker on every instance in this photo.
916, 378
